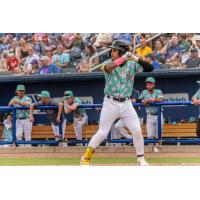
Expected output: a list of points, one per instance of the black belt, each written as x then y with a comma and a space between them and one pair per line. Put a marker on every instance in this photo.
153, 114
119, 99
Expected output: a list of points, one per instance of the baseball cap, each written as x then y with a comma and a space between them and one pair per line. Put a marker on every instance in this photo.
48, 49
44, 58
150, 79
20, 88
193, 49
45, 94
68, 94
34, 61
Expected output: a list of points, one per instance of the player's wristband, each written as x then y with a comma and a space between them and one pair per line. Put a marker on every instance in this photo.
119, 61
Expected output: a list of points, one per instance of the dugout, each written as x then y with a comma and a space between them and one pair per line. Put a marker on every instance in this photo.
178, 85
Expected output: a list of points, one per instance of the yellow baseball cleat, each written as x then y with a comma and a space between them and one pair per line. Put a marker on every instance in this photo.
85, 160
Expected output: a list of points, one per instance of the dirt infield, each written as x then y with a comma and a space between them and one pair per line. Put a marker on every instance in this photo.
99, 155
111, 156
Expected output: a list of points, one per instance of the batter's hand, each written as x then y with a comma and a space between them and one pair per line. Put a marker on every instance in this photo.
130, 56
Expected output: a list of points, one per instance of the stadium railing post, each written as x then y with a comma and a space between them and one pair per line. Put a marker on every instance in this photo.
14, 125
159, 124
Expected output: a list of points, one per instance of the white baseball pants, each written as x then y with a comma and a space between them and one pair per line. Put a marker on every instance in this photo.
78, 124
113, 110
152, 125
56, 128
23, 126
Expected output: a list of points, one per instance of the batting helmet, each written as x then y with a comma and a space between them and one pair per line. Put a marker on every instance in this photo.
120, 45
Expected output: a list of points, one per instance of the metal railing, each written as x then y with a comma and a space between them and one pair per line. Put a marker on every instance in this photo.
109, 139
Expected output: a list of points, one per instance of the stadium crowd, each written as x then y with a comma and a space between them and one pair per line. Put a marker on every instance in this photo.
50, 53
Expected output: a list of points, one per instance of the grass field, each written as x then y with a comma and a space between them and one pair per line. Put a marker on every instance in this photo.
96, 161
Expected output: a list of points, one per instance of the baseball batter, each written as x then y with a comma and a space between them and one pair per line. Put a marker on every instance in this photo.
148, 96
55, 116
71, 104
23, 124
119, 80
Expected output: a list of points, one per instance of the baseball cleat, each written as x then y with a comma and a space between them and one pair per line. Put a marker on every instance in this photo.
85, 160
142, 162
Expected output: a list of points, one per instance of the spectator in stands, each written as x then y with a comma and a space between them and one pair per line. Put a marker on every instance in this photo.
148, 36
65, 40
183, 44
55, 115
175, 63
32, 56
22, 50
12, 63
143, 50
150, 59
6, 43
88, 38
34, 64
40, 47
126, 37
46, 67
83, 65
61, 59
172, 49
4, 61
46, 40
197, 43
76, 47
103, 40
14, 47
158, 52
194, 60
48, 52
162, 61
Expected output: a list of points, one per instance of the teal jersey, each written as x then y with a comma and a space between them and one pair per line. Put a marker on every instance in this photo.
120, 82
22, 113
152, 110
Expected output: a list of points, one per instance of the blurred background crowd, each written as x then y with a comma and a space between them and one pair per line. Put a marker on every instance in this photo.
53, 53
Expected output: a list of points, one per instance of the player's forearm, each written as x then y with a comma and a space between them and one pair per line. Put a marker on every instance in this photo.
32, 109
116, 63
60, 109
72, 107
147, 67
158, 99
23, 104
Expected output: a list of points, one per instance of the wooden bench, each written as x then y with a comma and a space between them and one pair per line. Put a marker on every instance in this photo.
169, 130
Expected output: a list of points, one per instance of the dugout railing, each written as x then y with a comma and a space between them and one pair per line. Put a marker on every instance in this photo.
166, 140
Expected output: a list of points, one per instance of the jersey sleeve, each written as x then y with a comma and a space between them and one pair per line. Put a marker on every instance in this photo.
142, 95
134, 68
77, 101
159, 94
197, 94
28, 100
